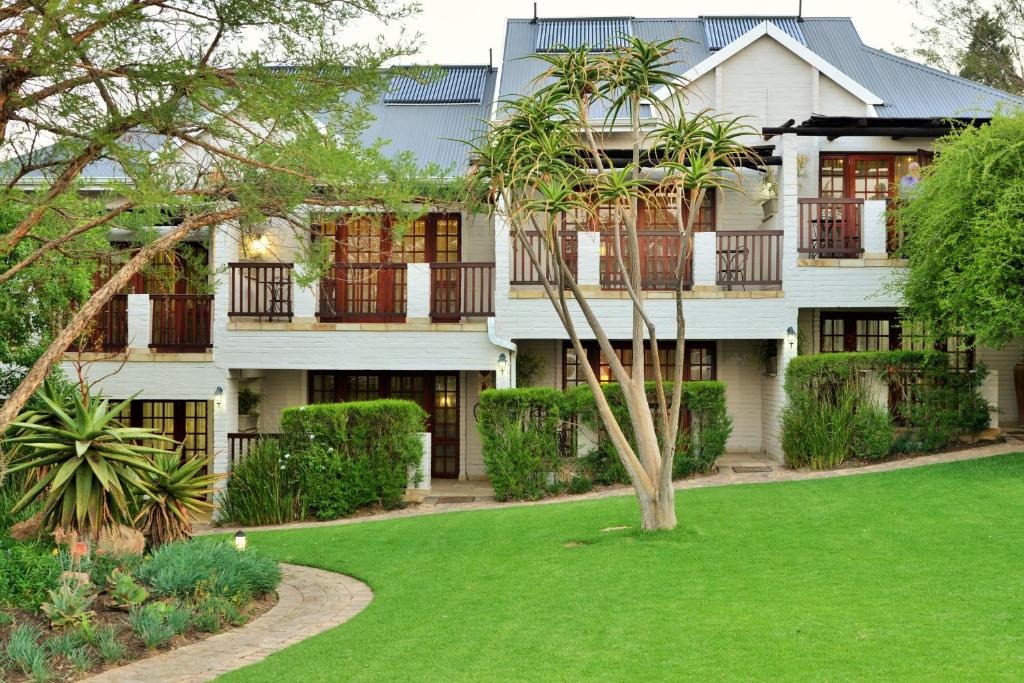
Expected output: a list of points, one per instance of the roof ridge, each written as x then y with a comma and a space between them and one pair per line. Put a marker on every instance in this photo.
939, 72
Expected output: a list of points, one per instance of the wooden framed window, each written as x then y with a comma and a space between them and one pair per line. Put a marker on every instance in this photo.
700, 362
187, 422
858, 331
866, 176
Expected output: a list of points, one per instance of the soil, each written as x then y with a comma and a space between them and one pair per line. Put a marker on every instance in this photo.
106, 614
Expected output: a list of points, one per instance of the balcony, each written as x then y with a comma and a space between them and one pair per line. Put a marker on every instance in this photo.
181, 322
749, 258
831, 227
109, 331
261, 291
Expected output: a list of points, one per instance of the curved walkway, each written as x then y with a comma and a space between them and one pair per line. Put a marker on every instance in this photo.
309, 601
1011, 445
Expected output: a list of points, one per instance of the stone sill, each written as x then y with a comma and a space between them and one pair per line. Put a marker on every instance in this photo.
866, 262
145, 355
314, 326
712, 293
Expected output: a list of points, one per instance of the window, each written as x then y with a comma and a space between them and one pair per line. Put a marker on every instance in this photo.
187, 422
699, 363
833, 334
865, 176
867, 331
831, 177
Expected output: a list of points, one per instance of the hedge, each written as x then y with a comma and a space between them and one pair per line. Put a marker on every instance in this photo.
830, 417
351, 455
524, 430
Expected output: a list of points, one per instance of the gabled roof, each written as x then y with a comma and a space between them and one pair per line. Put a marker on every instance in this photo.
905, 88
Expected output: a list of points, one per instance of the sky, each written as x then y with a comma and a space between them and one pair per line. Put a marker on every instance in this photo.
461, 31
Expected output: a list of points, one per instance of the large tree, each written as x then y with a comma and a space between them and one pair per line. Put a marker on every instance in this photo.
545, 157
964, 227
180, 102
980, 42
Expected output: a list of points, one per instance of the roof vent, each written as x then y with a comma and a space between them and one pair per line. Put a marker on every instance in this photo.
440, 85
600, 34
720, 31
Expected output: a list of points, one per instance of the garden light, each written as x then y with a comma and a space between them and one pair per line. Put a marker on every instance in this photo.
240, 541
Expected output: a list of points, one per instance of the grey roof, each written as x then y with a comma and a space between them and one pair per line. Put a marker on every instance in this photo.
720, 31
908, 89
599, 33
441, 85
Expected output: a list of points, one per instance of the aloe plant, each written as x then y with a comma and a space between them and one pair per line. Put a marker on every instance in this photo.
88, 466
179, 490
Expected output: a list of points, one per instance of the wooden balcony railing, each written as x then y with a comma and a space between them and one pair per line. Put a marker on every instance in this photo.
109, 330
181, 322
831, 227
239, 443
749, 257
461, 290
659, 253
523, 271
363, 292
260, 290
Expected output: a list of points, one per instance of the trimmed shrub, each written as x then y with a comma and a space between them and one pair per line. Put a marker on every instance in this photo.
520, 430
698, 445
186, 569
28, 571
261, 489
348, 456
830, 416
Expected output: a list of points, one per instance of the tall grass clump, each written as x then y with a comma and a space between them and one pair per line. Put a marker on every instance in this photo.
262, 488
187, 569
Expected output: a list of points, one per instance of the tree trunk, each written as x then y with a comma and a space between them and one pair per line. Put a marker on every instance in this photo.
658, 513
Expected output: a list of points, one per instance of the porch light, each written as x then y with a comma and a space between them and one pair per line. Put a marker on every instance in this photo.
240, 541
502, 363
259, 245
791, 336
218, 397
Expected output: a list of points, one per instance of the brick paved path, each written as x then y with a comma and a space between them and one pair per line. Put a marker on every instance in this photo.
309, 601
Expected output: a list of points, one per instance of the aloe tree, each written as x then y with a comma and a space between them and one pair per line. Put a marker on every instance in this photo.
544, 157
87, 467
181, 490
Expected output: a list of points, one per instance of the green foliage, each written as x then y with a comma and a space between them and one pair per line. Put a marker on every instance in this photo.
520, 430
149, 623
28, 571
213, 612
81, 659
697, 447
249, 402
178, 490
179, 618
107, 644
964, 236
89, 466
101, 566
69, 604
25, 651
262, 488
529, 368
186, 569
124, 592
65, 643
352, 455
830, 416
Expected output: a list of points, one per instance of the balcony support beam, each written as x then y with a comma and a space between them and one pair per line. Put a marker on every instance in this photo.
140, 321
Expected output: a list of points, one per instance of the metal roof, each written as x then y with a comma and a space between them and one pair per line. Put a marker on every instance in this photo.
907, 89
599, 33
439, 85
720, 31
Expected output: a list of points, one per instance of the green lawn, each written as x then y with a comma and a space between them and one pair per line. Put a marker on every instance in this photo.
909, 575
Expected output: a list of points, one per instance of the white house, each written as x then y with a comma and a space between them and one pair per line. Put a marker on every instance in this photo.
451, 308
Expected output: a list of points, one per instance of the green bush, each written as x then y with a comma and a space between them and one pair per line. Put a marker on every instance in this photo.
211, 613
697, 447
352, 455
261, 489
519, 430
150, 624
28, 571
187, 569
830, 418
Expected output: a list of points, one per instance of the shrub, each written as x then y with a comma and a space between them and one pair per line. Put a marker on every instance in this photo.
69, 604
830, 417
352, 455
28, 570
65, 643
81, 659
261, 489
179, 618
150, 624
110, 648
520, 431
185, 569
178, 490
24, 650
211, 613
124, 591
698, 445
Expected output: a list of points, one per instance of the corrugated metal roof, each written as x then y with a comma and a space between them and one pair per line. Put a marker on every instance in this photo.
599, 33
439, 85
720, 31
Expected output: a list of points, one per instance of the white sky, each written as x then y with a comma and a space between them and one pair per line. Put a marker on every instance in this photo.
461, 31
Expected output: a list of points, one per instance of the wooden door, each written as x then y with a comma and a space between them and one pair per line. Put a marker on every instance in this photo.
444, 428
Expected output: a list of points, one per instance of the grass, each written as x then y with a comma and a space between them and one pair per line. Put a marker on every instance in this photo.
906, 575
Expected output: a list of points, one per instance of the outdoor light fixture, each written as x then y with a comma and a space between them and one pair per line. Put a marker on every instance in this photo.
259, 245
502, 363
791, 336
240, 541
218, 397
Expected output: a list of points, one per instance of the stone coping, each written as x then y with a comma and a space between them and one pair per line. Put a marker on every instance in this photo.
312, 325
709, 293
144, 355
309, 601
866, 262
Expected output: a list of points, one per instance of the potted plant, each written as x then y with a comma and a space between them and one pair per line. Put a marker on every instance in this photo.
768, 195
248, 409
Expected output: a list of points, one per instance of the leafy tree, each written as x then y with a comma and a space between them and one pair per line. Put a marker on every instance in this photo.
983, 43
178, 99
542, 159
964, 225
